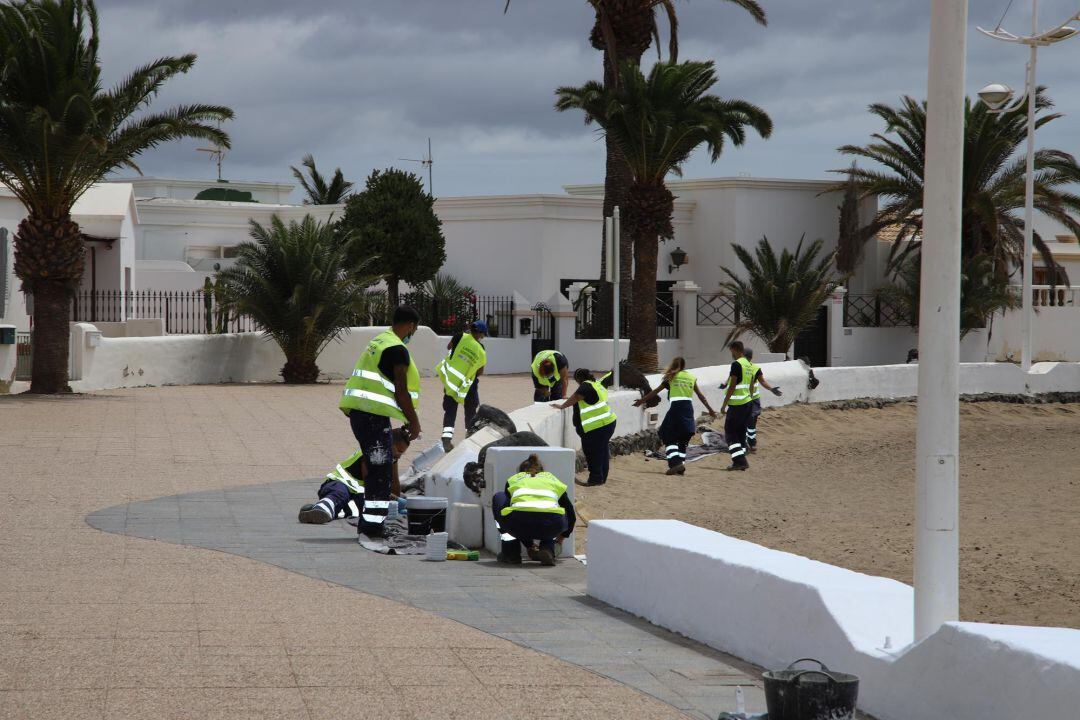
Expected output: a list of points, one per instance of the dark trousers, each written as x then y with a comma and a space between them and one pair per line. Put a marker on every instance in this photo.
543, 393
597, 452
525, 527
450, 408
751, 424
337, 498
373, 434
676, 431
735, 432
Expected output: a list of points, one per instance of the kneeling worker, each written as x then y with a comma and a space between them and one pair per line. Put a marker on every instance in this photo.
342, 493
533, 511
550, 375
460, 371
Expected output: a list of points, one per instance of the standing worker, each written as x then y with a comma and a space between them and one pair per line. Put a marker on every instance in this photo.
755, 411
679, 423
737, 405
550, 374
533, 511
594, 421
384, 385
460, 371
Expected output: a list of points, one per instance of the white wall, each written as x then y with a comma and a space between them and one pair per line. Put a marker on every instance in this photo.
1055, 335
210, 359
771, 607
178, 189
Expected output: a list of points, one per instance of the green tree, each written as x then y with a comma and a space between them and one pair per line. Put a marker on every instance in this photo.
778, 297
396, 221
852, 237
61, 132
318, 190
993, 182
657, 122
623, 30
300, 285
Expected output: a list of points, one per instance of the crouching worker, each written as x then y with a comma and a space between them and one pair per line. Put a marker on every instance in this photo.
342, 493
533, 511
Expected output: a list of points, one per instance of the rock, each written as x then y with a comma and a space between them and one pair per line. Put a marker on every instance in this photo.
488, 415
473, 474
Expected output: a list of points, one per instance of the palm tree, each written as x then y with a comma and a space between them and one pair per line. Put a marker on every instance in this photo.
320, 192
623, 31
61, 132
657, 122
993, 184
778, 297
852, 236
297, 283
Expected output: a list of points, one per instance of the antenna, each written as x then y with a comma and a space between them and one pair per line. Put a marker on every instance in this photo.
427, 161
216, 152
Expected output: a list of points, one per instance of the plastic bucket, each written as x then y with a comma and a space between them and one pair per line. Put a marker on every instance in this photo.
810, 694
426, 514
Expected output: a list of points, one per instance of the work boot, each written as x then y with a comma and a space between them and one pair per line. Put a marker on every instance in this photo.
447, 445
733, 467
545, 554
679, 469
507, 559
314, 514
753, 448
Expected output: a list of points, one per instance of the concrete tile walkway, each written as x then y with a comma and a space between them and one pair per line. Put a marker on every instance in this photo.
97, 625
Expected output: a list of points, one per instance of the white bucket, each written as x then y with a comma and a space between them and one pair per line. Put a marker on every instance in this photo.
436, 546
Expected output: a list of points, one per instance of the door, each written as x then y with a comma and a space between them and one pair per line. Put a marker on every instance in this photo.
543, 328
812, 343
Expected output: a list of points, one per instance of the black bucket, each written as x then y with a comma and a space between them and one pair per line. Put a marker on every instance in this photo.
426, 514
810, 694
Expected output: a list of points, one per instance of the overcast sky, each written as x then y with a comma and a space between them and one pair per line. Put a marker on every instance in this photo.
362, 83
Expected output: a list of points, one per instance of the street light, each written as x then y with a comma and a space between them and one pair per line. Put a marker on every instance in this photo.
997, 98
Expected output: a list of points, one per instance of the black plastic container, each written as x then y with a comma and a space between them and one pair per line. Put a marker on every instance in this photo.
820, 694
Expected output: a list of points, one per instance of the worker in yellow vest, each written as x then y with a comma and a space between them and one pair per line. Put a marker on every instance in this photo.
550, 375
460, 372
535, 511
594, 421
738, 403
755, 410
341, 494
384, 385
680, 422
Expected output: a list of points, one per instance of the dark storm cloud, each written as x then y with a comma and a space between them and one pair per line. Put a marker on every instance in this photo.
361, 83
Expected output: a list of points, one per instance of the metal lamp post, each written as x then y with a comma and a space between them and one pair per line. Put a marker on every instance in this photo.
996, 97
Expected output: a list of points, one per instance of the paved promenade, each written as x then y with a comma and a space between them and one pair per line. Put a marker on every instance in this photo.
101, 625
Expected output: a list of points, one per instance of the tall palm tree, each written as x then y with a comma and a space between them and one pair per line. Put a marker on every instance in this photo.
778, 297
657, 122
623, 31
298, 284
320, 192
61, 132
993, 183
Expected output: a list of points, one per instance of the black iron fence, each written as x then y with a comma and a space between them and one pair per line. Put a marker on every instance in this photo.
595, 316
717, 309
871, 310
194, 312
24, 355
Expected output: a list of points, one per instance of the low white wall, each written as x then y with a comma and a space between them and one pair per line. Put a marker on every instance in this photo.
598, 354
210, 359
132, 327
862, 346
1053, 335
771, 607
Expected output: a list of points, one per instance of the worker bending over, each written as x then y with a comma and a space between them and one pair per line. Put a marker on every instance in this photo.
460, 371
737, 405
594, 421
533, 511
680, 422
385, 384
550, 375
755, 405
342, 492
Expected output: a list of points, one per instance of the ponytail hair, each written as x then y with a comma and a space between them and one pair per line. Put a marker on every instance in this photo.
531, 465
676, 366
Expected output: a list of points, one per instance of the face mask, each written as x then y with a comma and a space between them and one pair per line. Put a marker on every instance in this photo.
406, 339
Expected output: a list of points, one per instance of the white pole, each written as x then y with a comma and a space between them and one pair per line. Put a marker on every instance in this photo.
938, 438
1029, 200
616, 230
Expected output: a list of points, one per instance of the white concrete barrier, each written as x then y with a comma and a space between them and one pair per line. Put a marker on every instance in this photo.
501, 463
772, 607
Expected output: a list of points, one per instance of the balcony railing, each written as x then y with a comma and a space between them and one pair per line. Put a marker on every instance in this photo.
1047, 296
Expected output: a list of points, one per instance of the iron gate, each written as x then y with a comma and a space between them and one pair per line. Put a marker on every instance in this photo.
543, 329
24, 356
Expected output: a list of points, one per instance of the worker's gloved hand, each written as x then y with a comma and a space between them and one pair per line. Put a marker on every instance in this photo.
776, 391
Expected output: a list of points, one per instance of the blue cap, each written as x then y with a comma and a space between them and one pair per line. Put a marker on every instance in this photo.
479, 326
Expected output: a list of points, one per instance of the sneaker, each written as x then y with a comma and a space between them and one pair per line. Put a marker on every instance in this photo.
732, 468
679, 469
314, 515
508, 559
545, 557
447, 445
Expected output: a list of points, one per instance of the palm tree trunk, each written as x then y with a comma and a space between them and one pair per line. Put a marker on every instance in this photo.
51, 338
392, 298
643, 353
299, 371
617, 182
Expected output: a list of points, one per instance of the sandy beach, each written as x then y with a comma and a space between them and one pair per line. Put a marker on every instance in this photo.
838, 486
